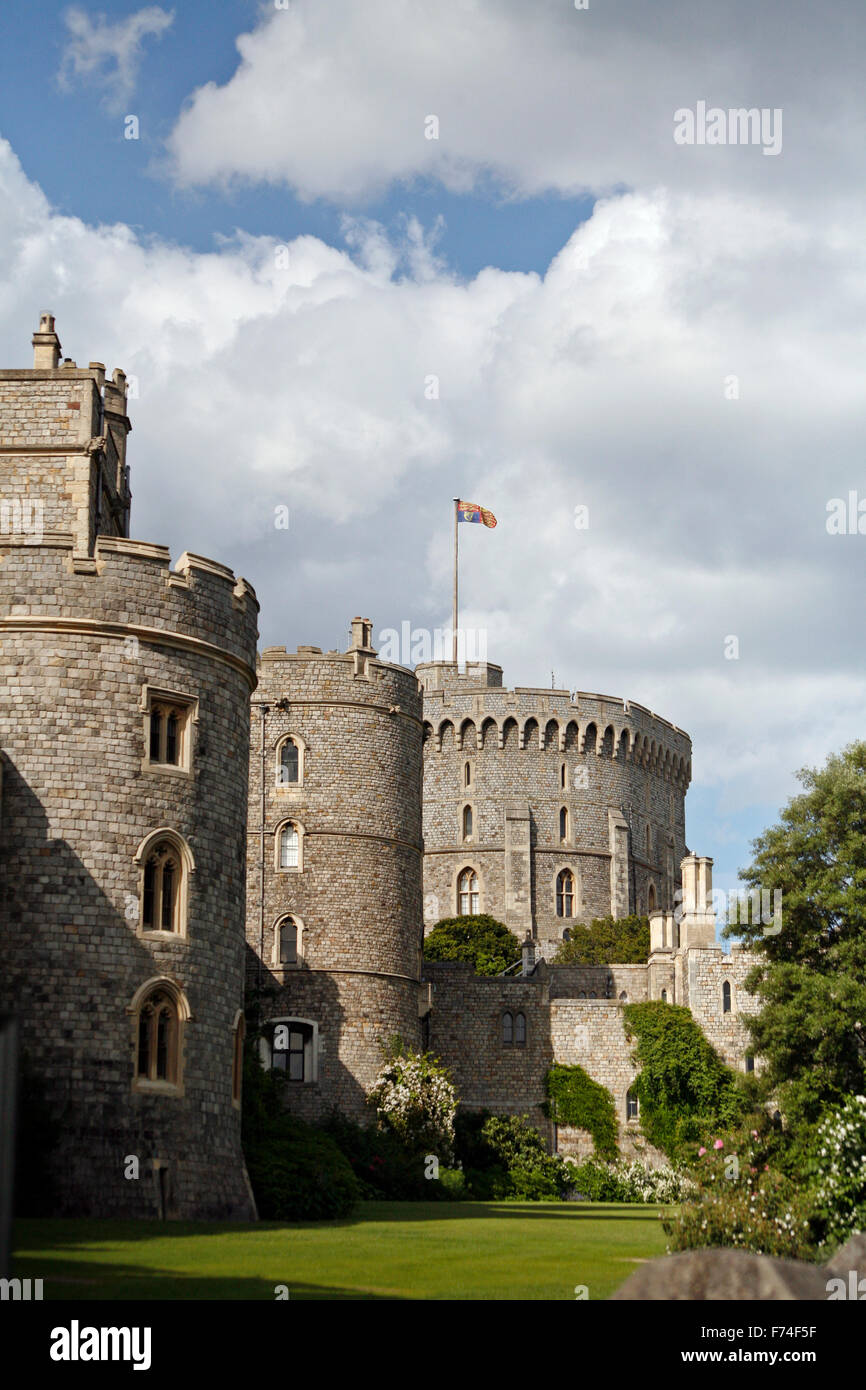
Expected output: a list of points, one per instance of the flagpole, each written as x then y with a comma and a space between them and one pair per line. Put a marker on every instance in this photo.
454, 613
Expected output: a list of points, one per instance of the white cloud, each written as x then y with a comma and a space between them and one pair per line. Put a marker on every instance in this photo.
600, 383
109, 53
333, 99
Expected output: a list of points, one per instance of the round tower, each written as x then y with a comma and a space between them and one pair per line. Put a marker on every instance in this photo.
547, 808
334, 922
124, 733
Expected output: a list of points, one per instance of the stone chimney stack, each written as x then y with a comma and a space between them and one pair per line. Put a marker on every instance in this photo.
46, 345
698, 922
362, 636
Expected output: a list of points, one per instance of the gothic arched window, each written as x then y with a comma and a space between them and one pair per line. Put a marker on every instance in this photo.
160, 906
158, 1035
467, 893
726, 997
565, 893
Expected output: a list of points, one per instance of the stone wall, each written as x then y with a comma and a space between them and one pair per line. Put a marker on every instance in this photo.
497, 750
355, 897
84, 635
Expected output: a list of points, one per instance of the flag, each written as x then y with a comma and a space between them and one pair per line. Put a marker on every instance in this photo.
470, 511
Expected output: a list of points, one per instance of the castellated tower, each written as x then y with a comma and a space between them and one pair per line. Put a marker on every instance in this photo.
547, 809
334, 922
124, 736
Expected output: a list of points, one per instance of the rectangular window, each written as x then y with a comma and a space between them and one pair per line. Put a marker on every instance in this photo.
168, 729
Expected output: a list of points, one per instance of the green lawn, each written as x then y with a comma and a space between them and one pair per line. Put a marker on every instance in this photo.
460, 1250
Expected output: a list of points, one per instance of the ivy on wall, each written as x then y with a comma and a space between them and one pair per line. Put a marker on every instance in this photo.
686, 1091
573, 1098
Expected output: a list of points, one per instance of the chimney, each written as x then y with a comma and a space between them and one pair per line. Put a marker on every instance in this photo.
528, 953
362, 636
46, 345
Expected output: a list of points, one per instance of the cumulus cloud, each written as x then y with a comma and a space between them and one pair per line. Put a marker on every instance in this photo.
109, 53
335, 100
687, 368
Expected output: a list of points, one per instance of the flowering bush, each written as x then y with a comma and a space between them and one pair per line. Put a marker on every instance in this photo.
840, 1193
414, 1096
629, 1182
763, 1212
742, 1203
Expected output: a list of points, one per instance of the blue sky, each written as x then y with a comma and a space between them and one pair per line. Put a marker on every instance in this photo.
584, 289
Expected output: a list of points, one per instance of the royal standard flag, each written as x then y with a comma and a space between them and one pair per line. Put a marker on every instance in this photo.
470, 511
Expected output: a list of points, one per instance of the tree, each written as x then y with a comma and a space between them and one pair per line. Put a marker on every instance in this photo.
811, 977
482, 942
607, 941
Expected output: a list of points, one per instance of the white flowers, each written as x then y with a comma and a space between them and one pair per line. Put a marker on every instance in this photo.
414, 1096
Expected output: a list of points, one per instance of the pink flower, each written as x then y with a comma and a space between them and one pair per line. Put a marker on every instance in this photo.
754, 1134
719, 1144
701, 1153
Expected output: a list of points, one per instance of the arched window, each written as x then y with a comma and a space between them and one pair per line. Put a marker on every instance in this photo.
289, 766
562, 776
467, 775
632, 1108
467, 893
238, 1058
750, 1062
592, 994
651, 898
563, 823
287, 941
467, 822
664, 996
623, 998
565, 893
726, 997
289, 844
520, 1030
160, 903
566, 935
159, 1011
507, 1028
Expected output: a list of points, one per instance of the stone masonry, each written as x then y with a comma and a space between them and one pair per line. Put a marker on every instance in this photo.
92, 624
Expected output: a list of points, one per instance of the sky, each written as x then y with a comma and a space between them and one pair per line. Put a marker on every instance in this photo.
358, 260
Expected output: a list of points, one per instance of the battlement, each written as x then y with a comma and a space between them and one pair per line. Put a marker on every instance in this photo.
311, 675
583, 720
128, 590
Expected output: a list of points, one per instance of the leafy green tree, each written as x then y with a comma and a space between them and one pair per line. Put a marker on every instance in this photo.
811, 978
482, 942
607, 941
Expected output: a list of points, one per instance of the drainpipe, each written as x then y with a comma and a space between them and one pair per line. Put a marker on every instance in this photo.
263, 711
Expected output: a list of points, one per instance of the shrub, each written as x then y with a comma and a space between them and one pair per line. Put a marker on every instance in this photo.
629, 1182
764, 1212
386, 1170
296, 1172
840, 1190
685, 1089
575, 1099
481, 941
504, 1157
414, 1097
607, 941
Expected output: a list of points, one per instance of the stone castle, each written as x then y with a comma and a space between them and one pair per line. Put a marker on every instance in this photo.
184, 825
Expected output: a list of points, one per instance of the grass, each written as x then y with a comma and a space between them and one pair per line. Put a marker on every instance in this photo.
387, 1250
